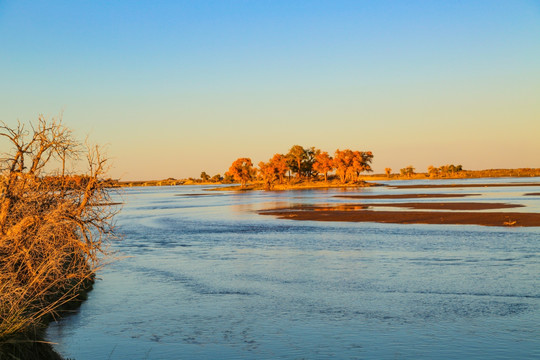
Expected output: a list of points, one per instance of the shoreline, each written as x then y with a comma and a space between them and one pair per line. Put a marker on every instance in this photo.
32, 344
518, 173
365, 181
296, 186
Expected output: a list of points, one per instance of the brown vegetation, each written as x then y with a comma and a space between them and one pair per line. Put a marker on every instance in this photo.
52, 226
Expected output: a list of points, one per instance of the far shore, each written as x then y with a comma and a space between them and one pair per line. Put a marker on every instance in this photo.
332, 182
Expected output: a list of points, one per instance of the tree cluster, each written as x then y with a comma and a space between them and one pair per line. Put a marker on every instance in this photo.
207, 178
407, 171
304, 164
444, 171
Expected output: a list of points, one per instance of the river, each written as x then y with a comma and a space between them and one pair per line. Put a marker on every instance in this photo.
201, 275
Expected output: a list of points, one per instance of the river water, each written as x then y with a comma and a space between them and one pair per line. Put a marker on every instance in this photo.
202, 275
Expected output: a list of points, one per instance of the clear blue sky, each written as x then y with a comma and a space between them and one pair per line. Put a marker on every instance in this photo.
178, 87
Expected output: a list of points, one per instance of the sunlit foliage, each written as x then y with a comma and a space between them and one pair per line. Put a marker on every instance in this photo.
242, 170
407, 171
349, 164
323, 164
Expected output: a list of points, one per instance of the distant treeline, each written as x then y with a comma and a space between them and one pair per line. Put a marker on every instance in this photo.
442, 172
457, 171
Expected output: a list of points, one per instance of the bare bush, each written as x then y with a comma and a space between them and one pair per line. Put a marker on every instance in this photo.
53, 226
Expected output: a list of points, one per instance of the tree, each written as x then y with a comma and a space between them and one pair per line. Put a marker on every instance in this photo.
407, 171
242, 170
279, 161
349, 164
295, 156
388, 171
309, 159
268, 173
361, 162
300, 160
323, 164
343, 162
205, 176
433, 171
216, 178
444, 170
228, 178
52, 225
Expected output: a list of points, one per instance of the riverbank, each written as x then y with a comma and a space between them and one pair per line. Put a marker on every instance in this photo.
31, 344
54, 231
301, 185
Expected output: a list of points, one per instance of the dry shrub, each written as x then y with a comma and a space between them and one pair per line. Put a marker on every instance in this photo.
53, 227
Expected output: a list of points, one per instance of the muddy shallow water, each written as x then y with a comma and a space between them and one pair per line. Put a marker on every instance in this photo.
207, 277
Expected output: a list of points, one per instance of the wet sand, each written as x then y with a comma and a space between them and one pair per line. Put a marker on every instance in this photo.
440, 186
452, 206
404, 196
466, 206
413, 217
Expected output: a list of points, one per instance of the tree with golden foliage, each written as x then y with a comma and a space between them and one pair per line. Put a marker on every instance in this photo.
296, 155
342, 162
242, 170
279, 162
52, 226
323, 164
388, 171
268, 174
433, 171
407, 171
361, 162
349, 164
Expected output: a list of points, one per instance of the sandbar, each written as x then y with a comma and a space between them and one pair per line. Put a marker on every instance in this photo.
410, 217
470, 206
438, 186
404, 196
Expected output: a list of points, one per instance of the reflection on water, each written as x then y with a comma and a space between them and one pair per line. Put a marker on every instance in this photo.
206, 277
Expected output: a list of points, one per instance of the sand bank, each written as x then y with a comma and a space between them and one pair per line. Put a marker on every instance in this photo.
439, 186
404, 196
412, 217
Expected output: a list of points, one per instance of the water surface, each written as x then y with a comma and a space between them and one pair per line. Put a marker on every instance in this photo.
207, 277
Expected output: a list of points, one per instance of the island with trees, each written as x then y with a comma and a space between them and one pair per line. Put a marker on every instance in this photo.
303, 167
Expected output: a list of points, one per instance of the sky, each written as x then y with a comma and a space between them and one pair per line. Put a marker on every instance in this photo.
173, 88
